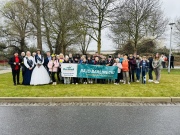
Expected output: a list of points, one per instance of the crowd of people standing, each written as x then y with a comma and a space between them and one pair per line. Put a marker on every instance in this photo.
40, 70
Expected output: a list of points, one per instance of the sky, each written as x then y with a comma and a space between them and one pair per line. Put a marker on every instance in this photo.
171, 10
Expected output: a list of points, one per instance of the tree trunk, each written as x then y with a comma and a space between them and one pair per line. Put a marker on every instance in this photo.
39, 36
22, 44
99, 42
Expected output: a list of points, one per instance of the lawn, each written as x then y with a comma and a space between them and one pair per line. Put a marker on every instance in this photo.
169, 87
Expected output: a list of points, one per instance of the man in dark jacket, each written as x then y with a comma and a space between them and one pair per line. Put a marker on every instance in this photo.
15, 63
22, 64
172, 61
46, 60
150, 60
132, 67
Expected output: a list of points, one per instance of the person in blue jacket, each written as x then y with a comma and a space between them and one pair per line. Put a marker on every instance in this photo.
144, 68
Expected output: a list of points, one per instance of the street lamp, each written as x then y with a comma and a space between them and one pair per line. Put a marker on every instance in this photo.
171, 25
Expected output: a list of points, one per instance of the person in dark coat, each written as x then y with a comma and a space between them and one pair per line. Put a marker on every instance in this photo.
172, 61
132, 67
46, 61
15, 63
144, 68
22, 65
150, 59
110, 61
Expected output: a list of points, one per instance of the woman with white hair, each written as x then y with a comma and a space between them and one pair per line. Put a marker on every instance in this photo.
29, 64
119, 65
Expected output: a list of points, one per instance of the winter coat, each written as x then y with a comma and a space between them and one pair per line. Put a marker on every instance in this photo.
53, 66
132, 64
125, 65
119, 65
144, 66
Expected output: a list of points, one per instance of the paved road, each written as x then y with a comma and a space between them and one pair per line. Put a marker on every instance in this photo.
89, 120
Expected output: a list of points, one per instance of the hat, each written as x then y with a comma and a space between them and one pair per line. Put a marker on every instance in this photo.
110, 56
53, 55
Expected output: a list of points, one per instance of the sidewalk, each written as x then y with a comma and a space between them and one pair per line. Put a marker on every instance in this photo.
5, 71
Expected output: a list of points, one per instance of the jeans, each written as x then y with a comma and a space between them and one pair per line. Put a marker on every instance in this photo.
138, 72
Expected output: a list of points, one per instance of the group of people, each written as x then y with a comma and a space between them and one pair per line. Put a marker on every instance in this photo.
40, 70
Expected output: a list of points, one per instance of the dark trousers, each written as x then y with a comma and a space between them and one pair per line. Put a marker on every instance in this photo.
75, 80
15, 74
118, 78
121, 75
143, 77
53, 76
58, 74
131, 75
84, 79
164, 64
138, 72
150, 74
23, 72
172, 64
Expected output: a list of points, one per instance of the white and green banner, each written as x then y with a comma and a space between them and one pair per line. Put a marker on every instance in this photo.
69, 70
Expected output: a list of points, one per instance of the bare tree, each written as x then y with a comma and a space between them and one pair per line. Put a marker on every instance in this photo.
60, 24
17, 27
99, 13
137, 19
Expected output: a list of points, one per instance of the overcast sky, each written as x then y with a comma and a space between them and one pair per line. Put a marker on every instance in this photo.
171, 10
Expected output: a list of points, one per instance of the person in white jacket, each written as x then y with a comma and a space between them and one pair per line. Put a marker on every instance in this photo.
119, 65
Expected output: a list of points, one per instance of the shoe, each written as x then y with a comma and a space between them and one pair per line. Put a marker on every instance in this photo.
128, 82
91, 82
150, 80
115, 83
85, 82
156, 82
76, 83
137, 81
124, 83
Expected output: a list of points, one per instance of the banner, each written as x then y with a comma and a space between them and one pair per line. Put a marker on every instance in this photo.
97, 71
68, 70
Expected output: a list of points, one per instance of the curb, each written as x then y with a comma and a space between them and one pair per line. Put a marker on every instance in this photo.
89, 99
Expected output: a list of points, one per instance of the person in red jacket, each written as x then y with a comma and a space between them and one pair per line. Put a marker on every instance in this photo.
15, 63
125, 69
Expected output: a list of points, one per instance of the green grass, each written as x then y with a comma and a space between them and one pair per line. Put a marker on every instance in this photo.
169, 87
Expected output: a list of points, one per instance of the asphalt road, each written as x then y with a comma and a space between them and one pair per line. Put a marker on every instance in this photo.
89, 120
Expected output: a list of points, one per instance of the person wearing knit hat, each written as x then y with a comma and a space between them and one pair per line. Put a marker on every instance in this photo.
15, 63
